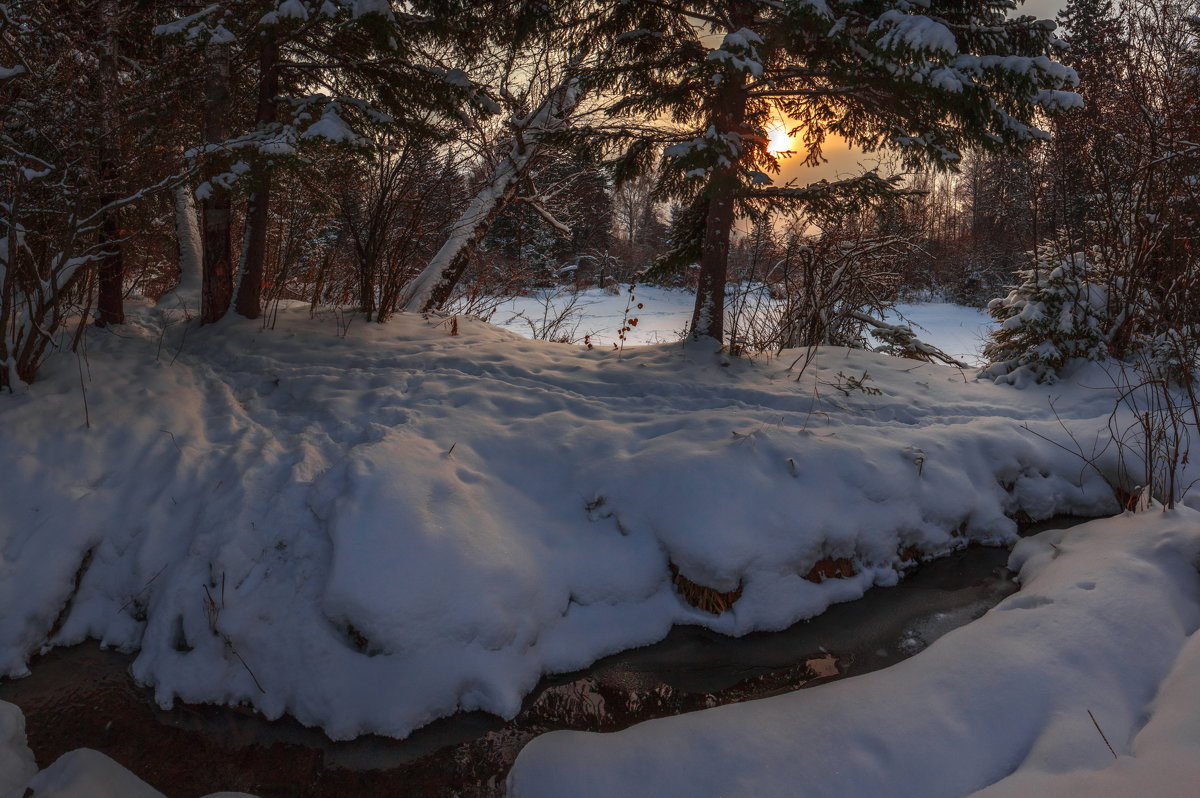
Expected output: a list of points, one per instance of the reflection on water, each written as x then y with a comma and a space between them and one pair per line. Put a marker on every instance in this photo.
84, 697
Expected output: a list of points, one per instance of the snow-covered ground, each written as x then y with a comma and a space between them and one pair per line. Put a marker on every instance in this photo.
371, 528
552, 315
599, 315
1103, 628
957, 330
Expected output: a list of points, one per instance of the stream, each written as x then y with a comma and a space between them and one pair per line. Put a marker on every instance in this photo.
84, 697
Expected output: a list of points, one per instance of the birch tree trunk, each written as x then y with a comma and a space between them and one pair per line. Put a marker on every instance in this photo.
191, 252
430, 289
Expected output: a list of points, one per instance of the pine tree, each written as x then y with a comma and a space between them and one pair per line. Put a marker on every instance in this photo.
1095, 34
1124, 174
1057, 313
82, 129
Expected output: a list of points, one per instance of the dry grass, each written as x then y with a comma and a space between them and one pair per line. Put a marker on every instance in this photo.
703, 598
830, 568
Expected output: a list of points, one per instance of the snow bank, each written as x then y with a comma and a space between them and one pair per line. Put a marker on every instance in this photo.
16, 760
84, 773
1104, 627
371, 530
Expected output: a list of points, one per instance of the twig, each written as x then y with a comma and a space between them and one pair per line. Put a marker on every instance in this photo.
1078, 451
1102, 736
182, 339
232, 648
213, 611
172, 434
87, 417
143, 590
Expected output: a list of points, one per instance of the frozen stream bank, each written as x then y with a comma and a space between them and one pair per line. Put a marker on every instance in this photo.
84, 697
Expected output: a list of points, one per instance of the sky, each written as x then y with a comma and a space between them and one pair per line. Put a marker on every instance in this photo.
843, 161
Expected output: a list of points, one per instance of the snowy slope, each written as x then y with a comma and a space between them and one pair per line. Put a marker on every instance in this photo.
372, 528
372, 531
1105, 624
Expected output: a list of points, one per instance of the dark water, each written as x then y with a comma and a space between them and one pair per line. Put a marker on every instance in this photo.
84, 697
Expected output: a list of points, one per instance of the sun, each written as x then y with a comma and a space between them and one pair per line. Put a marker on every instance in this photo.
778, 139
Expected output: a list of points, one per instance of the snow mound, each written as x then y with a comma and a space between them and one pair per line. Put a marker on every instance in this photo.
82, 773
1102, 636
372, 527
16, 760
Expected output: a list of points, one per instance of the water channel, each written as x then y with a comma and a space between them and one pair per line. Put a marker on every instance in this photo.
84, 697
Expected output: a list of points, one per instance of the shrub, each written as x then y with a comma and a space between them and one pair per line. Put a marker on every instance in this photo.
1057, 313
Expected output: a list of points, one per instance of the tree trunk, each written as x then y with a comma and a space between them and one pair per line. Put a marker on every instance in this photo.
455, 255
186, 293
217, 290
254, 250
708, 317
110, 299
367, 264
187, 233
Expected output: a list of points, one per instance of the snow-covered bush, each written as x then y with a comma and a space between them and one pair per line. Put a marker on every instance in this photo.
1173, 356
899, 340
1058, 312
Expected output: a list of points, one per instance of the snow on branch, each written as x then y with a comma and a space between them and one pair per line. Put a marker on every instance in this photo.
914, 31
902, 340
854, 192
536, 206
191, 26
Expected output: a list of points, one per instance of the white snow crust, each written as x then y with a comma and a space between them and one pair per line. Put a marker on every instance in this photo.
373, 527
957, 330
332, 127
1105, 623
82, 773
16, 760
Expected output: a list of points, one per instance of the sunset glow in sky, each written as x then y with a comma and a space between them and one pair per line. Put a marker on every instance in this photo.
842, 160
778, 139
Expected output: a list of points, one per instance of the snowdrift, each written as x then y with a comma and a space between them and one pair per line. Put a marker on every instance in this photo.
1098, 649
370, 528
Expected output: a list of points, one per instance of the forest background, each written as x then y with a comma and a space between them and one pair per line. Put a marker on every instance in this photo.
444, 156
